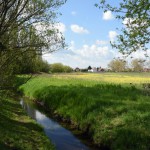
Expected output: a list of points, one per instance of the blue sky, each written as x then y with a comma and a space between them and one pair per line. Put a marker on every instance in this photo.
88, 32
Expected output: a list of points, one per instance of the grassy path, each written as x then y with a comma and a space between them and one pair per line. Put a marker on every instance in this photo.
18, 131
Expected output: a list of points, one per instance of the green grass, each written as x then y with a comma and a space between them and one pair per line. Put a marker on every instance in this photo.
17, 130
114, 115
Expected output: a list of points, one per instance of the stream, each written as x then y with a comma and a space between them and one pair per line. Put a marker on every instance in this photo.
62, 138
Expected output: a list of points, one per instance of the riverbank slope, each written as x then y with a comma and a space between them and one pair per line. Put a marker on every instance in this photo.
17, 130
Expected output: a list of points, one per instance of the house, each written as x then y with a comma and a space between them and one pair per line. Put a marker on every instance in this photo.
94, 69
77, 69
146, 69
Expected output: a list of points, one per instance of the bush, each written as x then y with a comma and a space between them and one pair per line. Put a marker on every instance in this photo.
59, 68
43, 66
67, 69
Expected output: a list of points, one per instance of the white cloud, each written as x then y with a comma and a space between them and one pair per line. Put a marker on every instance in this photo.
61, 27
78, 29
112, 35
41, 27
73, 13
140, 54
108, 15
82, 57
101, 42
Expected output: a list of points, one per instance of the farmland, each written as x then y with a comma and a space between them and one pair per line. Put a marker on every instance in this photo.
112, 108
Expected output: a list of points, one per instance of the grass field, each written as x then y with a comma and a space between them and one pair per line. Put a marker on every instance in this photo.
17, 130
112, 107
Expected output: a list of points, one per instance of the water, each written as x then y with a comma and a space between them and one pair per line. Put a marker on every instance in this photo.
62, 138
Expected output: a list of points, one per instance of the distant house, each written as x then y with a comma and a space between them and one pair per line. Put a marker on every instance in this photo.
94, 69
90, 70
100, 69
146, 69
77, 69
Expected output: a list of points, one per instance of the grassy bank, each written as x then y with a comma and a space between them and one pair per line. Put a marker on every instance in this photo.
115, 115
17, 130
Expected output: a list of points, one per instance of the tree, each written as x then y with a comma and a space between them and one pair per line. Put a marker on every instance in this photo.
148, 64
118, 65
21, 18
89, 67
27, 28
59, 68
137, 65
136, 16
67, 69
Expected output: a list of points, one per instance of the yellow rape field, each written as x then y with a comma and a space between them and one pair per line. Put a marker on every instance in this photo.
110, 77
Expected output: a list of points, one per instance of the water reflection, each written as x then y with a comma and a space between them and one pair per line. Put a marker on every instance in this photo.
62, 138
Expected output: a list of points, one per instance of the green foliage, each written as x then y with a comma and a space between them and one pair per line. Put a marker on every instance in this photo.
118, 65
59, 68
89, 68
137, 65
67, 69
43, 66
27, 30
84, 70
135, 33
116, 116
31, 64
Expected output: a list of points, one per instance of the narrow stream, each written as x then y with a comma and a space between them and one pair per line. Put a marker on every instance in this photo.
62, 138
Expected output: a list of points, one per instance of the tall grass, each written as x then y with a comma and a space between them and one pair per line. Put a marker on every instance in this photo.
17, 130
115, 115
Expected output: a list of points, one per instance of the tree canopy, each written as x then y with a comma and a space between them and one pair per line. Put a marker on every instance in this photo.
135, 16
27, 29
137, 65
118, 65
26, 24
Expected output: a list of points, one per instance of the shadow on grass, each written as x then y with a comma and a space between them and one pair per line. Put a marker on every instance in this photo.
110, 113
17, 130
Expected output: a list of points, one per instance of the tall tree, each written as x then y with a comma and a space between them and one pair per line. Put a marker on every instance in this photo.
135, 33
26, 27
118, 65
137, 65
89, 68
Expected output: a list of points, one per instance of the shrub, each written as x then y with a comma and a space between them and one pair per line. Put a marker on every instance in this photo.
58, 68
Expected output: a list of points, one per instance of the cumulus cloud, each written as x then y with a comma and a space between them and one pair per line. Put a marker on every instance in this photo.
78, 29
140, 54
73, 13
108, 15
94, 55
101, 42
92, 51
112, 35
61, 27
41, 27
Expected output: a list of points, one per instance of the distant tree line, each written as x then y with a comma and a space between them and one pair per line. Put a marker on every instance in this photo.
136, 65
60, 68
39, 65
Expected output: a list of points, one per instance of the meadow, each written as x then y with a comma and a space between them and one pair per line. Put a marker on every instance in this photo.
112, 108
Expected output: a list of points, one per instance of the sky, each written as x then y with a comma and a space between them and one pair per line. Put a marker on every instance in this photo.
88, 32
